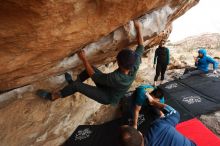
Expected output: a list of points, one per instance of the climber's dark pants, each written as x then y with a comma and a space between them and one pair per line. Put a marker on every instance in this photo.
97, 93
160, 69
192, 71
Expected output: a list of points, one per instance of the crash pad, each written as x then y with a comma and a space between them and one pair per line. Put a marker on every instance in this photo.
193, 96
199, 133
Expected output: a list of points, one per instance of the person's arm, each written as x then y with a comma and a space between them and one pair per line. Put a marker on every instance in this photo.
155, 103
138, 26
214, 62
172, 116
136, 114
140, 48
86, 63
196, 60
139, 100
102, 79
155, 57
168, 56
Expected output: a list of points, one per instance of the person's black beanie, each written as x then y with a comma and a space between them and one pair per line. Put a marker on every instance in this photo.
126, 58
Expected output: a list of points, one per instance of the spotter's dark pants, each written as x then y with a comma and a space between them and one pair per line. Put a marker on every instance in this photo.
160, 70
192, 71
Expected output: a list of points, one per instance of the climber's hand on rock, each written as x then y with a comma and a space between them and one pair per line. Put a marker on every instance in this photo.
139, 36
81, 55
214, 71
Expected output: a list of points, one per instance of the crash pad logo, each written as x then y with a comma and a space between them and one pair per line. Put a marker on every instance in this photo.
171, 86
83, 134
192, 99
211, 75
141, 119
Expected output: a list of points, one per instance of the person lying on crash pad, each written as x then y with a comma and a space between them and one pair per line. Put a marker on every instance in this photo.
202, 65
160, 132
140, 99
110, 87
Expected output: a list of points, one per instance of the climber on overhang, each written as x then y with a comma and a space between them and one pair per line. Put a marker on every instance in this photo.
162, 59
202, 65
110, 87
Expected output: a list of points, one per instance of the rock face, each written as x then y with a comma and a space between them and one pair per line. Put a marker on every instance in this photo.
29, 120
37, 34
38, 39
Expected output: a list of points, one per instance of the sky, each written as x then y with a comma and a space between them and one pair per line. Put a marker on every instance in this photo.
202, 18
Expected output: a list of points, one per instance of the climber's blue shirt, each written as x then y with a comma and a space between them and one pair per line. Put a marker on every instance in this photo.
203, 63
162, 131
140, 98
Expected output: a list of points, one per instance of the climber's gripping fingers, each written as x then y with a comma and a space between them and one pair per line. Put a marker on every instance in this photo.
138, 27
82, 55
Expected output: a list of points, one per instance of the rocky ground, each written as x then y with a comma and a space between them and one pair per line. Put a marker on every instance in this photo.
181, 57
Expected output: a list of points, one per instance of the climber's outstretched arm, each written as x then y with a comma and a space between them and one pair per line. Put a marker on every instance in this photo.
138, 28
86, 63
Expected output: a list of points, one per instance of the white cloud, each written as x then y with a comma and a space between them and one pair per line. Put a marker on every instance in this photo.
202, 18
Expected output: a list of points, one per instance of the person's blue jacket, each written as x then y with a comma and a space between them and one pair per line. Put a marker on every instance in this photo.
203, 63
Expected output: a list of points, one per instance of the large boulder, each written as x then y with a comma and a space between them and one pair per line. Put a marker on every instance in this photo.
38, 41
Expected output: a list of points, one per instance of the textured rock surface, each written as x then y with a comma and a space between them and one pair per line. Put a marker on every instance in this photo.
38, 39
28, 120
36, 35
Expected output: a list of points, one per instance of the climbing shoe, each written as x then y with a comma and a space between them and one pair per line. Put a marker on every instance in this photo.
68, 78
44, 94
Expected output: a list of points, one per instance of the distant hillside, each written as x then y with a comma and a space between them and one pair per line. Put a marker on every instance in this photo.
182, 52
209, 41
